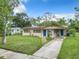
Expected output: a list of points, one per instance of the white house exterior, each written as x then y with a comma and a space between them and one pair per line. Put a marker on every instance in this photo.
16, 30
35, 31
44, 31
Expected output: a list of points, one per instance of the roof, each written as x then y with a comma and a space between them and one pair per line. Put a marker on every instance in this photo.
54, 27
42, 27
37, 27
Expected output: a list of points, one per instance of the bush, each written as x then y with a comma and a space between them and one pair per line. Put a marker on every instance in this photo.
72, 32
48, 38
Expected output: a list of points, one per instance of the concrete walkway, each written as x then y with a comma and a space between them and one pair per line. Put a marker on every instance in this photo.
12, 55
48, 51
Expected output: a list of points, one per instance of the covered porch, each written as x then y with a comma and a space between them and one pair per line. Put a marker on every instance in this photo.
44, 32
54, 32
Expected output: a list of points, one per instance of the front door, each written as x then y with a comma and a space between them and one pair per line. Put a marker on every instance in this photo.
44, 32
62, 32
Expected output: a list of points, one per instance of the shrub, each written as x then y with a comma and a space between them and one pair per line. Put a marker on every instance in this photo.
48, 38
72, 32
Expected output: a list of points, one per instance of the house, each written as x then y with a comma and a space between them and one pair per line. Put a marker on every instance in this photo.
36, 31
40, 31
16, 30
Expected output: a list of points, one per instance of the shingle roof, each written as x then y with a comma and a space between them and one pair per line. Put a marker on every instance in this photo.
37, 28
56, 27
42, 27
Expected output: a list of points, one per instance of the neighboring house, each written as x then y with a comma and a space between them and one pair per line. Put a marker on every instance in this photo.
45, 31
16, 30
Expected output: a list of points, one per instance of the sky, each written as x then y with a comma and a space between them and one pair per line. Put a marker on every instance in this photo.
36, 8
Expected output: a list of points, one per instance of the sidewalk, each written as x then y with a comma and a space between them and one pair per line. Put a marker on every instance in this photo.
12, 55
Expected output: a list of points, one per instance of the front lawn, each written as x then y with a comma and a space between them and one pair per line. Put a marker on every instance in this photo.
70, 48
23, 44
1, 58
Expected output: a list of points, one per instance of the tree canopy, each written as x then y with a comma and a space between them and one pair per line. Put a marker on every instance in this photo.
5, 16
21, 20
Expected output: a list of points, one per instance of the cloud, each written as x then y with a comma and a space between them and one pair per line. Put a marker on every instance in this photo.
67, 16
25, 1
21, 7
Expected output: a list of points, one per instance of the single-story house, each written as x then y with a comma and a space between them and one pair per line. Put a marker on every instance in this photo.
16, 30
41, 31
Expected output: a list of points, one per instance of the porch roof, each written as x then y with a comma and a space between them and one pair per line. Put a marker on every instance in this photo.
56, 27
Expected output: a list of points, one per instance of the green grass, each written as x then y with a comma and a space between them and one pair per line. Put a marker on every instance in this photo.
70, 48
22, 44
1, 58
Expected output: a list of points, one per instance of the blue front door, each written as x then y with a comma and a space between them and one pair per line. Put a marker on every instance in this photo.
44, 32
62, 32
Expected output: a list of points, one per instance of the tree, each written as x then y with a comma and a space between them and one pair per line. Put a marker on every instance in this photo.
1, 26
74, 24
77, 12
5, 16
22, 16
72, 32
21, 20
49, 23
76, 8
62, 21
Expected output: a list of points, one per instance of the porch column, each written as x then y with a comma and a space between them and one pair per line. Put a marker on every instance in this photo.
53, 34
31, 32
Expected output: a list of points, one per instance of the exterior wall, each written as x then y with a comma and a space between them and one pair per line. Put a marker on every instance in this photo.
32, 33
26, 34
60, 33
65, 32
16, 30
54, 33
37, 34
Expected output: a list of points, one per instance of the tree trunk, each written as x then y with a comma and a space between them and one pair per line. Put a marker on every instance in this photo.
4, 37
4, 32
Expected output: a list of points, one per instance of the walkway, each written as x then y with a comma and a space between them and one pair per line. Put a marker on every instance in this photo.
12, 55
48, 51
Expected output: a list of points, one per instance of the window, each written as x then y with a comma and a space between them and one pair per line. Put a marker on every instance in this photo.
26, 30
17, 29
37, 31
